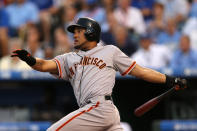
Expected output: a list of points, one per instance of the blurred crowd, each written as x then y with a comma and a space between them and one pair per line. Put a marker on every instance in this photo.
156, 33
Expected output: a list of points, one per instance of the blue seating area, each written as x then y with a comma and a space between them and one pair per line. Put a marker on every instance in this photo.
178, 125
24, 126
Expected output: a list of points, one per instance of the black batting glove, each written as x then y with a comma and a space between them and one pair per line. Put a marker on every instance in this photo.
176, 81
25, 56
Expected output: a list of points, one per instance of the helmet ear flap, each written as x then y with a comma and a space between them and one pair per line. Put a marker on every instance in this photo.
90, 34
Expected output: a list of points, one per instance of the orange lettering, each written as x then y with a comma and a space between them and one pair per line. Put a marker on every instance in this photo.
92, 60
95, 61
81, 61
102, 66
88, 61
85, 60
97, 64
71, 71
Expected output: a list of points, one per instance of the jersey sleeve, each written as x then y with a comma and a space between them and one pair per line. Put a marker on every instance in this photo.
122, 62
61, 64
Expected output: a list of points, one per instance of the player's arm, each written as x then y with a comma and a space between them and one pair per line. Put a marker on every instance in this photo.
153, 76
36, 63
45, 66
148, 74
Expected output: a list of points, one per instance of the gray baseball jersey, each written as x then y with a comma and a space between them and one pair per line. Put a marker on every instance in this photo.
92, 73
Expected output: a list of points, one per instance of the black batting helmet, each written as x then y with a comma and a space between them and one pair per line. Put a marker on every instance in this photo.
93, 29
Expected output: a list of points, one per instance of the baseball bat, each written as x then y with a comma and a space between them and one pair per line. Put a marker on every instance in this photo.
153, 102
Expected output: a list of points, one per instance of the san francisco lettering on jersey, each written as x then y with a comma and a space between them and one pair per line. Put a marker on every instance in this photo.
92, 61
88, 61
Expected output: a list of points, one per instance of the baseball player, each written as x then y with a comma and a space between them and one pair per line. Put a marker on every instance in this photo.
91, 70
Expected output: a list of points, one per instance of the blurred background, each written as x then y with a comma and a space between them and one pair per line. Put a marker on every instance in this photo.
159, 34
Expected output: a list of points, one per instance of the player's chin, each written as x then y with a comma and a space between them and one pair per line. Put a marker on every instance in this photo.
77, 46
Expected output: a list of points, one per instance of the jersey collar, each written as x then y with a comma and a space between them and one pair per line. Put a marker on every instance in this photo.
91, 51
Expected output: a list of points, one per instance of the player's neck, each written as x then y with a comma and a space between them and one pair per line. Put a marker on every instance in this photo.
89, 45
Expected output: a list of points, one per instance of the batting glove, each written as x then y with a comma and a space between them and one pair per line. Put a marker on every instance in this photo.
25, 56
176, 81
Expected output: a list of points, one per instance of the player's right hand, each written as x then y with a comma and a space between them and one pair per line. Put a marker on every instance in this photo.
22, 54
25, 56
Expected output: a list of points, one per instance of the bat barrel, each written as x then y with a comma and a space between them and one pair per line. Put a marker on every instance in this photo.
153, 102
146, 106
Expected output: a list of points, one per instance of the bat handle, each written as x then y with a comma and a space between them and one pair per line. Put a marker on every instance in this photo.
167, 93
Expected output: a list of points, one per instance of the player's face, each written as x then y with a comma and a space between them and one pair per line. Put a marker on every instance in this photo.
79, 38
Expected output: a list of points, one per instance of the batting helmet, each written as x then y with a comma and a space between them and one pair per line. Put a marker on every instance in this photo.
93, 29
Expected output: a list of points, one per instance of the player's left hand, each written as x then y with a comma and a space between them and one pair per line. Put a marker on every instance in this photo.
180, 83
176, 82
